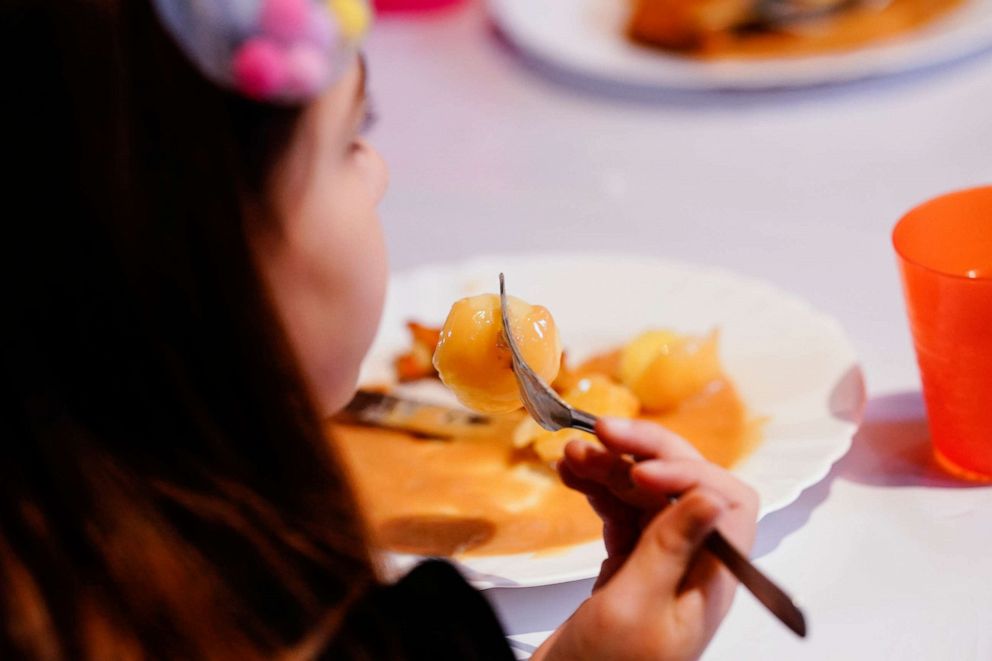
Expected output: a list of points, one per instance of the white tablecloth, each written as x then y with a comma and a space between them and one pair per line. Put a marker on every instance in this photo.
889, 558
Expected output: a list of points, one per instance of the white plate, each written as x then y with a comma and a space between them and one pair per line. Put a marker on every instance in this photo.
586, 37
790, 362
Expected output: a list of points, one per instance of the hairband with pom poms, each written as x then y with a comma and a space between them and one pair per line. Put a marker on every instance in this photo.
271, 50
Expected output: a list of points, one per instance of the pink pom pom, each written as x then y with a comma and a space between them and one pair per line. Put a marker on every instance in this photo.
286, 20
259, 68
306, 70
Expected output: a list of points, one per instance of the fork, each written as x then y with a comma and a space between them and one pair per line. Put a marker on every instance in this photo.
552, 413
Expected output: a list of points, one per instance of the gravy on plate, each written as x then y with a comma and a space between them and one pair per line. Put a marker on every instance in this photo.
481, 496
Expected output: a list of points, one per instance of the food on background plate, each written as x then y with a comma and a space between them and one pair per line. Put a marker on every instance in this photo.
474, 361
685, 24
775, 28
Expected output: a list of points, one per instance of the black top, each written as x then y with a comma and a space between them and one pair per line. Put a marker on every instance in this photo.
432, 613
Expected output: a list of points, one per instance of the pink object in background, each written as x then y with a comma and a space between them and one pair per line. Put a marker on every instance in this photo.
387, 6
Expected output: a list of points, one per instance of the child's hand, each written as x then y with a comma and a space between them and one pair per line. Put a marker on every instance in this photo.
656, 597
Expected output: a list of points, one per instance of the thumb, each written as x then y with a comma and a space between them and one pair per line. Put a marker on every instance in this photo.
669, 543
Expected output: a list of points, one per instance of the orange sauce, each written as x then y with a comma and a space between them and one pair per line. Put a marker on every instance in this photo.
846, 30
716, 422
482, 496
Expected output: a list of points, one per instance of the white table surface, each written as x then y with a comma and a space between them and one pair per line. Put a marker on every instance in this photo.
889, 558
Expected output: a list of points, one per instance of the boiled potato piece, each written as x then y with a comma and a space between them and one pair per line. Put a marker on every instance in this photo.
662, 367
474, 361
596, 394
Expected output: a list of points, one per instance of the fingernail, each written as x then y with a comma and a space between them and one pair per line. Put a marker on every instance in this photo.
703, 514
716, 503
581, 443
579, 448
650, 468
618, 425
647, 471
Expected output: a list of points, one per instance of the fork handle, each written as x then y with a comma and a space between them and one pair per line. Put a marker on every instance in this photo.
762, 587
583, 421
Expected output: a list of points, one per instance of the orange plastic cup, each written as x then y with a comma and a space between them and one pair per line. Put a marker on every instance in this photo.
945, 257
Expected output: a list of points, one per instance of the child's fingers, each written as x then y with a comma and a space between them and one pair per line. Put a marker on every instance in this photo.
596, 464
619, 537
647, 484
591, 462
608, 569
643, 440
621, 522
604, 501
573, 481
708, 588
677, 477
667, 547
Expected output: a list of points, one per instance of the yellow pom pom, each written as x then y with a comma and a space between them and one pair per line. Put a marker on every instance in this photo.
353, 15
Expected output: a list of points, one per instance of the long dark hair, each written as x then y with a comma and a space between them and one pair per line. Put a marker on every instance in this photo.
165, 486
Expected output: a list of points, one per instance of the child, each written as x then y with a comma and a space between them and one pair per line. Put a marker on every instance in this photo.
194, 272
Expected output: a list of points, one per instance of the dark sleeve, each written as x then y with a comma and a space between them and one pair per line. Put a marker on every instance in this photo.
432, 613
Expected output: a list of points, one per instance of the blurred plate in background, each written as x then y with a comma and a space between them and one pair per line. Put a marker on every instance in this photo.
586, 38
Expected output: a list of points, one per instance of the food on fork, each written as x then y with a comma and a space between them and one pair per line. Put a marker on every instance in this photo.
663, 368
474, 361
594, 393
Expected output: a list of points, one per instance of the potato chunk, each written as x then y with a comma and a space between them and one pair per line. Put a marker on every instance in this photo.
594, 393
473, 359
662, 368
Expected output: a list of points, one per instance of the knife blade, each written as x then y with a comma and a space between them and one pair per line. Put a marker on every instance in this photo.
377, 409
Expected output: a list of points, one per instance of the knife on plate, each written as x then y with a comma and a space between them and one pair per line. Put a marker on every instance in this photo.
377, 409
